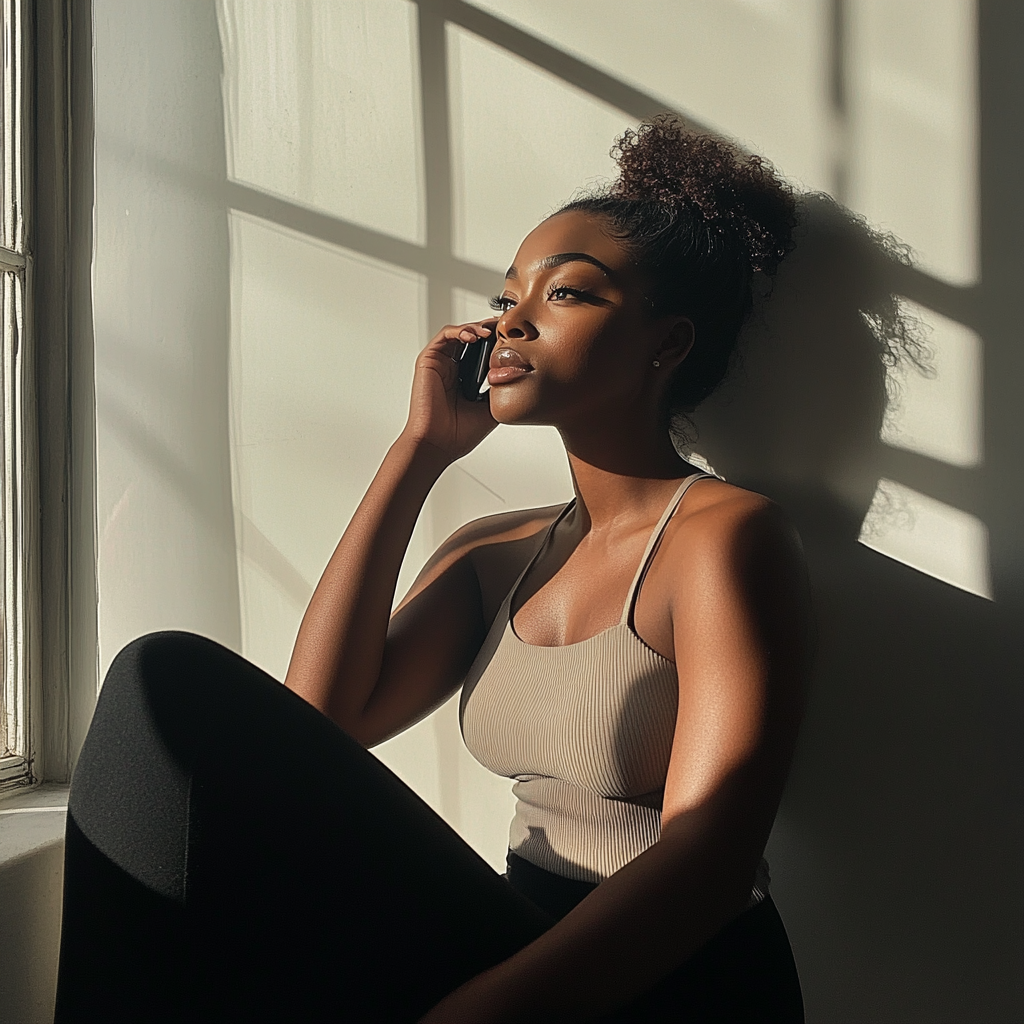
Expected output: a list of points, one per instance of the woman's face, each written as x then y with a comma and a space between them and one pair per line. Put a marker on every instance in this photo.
575, 336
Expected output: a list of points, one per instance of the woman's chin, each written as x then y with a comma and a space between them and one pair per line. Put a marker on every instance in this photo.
519, 417
510, 409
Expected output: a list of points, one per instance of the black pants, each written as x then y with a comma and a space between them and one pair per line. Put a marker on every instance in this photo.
232, 855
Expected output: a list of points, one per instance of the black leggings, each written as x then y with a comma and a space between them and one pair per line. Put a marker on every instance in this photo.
232, 855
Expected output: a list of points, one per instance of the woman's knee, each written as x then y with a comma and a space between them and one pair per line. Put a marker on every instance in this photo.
152, 695
171, 672
160, 654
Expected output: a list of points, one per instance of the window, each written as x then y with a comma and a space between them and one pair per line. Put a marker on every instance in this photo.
15, 266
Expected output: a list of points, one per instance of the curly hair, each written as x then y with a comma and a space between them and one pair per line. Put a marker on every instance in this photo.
699, 218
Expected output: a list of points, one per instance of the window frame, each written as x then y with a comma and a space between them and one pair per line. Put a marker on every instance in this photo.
55, 491
16, 490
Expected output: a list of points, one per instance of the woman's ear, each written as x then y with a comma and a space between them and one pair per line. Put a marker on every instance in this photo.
676, 341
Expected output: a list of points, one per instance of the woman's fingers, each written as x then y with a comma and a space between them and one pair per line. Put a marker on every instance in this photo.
467, 334
437, 410
442, 351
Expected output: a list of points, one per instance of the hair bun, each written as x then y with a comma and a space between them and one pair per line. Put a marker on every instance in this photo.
697, 217
730, 191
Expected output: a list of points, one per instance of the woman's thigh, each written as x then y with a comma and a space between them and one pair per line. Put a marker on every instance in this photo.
235, 838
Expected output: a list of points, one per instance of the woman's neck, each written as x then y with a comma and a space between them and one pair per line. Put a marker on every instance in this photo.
620, 476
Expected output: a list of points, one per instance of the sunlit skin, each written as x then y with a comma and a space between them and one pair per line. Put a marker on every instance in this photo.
725, 600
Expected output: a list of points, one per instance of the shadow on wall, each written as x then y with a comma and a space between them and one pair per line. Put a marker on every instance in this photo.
894, 869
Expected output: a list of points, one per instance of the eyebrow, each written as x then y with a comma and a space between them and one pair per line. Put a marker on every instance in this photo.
550, 262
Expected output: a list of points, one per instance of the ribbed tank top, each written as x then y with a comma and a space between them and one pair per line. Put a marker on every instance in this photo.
585, 729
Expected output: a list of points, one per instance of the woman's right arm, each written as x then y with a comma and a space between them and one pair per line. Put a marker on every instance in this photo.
343, 660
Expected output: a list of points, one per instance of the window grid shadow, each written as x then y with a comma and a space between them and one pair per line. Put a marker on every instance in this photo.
443, 270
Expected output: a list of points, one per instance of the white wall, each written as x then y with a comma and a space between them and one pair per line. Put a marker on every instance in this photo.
277, 231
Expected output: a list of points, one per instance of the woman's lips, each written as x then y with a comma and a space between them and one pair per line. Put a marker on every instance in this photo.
507, 365
506, 374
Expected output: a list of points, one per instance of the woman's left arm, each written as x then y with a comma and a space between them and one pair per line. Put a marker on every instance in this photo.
740, 617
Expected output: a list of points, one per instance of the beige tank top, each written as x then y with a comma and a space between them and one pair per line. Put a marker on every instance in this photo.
585, 729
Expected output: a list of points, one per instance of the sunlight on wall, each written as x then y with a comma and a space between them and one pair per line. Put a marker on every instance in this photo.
913, 107
939, 414
751, 69
522, 143
926, 534
912, 159
319, 388
315, 402
308, 87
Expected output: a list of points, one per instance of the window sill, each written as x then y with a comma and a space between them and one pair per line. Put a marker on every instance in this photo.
30, 821
31, 882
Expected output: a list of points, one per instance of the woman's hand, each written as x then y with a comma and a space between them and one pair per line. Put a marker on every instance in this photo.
438, 413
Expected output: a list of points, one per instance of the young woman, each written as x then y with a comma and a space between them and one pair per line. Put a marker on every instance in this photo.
635, 660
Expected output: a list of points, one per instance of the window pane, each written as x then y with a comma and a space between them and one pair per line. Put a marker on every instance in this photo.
13, 708
12, 231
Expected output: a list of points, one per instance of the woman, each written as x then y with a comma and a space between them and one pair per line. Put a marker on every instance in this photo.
635, 660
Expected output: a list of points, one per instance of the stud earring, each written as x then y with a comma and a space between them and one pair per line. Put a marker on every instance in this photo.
656, 363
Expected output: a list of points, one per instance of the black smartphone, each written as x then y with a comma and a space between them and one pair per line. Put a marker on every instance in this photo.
474, 360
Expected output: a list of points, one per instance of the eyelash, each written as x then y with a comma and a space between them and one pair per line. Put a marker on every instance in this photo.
501, 303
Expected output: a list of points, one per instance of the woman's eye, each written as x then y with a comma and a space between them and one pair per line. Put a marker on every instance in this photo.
502, 303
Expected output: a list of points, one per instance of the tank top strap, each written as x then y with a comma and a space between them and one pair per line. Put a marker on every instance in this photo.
654, 542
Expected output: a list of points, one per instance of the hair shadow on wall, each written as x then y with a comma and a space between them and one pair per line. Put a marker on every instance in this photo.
883, 848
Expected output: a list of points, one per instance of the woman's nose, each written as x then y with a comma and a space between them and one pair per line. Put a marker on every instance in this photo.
515, 326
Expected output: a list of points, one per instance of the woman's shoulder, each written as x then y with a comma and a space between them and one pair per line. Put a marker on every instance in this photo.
512, 525
499, 529
729, 553
722, 520
499, 547
714, 493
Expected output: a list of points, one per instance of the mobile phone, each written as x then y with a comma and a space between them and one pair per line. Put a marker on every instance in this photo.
474, 360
